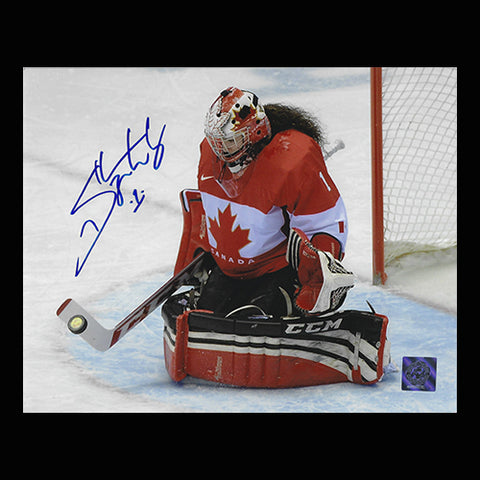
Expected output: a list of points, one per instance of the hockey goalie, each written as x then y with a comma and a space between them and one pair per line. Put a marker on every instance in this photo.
272, 228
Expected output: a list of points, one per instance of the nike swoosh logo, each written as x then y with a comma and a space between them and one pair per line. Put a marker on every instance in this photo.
203, 177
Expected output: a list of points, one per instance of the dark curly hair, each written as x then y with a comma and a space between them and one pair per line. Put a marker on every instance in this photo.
284, 117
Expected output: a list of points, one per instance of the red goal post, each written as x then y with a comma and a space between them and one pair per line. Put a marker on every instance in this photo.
414, 162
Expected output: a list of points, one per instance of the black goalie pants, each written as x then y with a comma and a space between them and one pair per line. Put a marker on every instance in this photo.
273, 292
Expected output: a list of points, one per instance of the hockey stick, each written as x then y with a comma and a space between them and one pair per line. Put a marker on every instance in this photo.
81, 323
339, 145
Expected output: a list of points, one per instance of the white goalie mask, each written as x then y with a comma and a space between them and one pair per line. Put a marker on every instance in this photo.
234, 123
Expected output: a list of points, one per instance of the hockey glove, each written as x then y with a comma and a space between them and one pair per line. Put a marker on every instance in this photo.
324, 282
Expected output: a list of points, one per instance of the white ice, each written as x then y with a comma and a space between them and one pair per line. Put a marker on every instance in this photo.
70, 115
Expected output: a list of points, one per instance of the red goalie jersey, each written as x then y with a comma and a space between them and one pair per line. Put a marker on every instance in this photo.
287, 186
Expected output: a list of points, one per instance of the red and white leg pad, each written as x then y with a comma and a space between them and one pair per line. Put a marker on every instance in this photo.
349, 346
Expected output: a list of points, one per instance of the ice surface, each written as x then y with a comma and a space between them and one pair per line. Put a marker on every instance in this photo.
70, 115
136, 366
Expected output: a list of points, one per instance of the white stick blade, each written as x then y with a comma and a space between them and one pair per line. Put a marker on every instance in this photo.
81, 323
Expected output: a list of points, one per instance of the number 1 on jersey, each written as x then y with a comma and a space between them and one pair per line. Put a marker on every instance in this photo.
325, 182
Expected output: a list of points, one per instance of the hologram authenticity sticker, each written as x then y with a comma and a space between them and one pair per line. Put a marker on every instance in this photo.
419, 374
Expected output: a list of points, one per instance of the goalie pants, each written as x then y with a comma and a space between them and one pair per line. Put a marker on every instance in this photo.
272, 292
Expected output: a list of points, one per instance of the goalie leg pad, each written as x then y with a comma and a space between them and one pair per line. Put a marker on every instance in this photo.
175, 349
349, 346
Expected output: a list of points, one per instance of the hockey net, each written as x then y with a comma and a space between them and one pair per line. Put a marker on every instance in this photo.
414, 135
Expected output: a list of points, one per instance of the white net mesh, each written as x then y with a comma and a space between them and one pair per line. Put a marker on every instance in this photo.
420, 159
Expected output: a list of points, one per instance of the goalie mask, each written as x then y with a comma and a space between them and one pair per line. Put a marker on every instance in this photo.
235, 122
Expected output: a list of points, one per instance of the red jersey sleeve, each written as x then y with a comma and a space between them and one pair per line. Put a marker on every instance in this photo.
311, 197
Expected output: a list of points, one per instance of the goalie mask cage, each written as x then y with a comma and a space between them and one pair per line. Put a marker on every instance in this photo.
414, 162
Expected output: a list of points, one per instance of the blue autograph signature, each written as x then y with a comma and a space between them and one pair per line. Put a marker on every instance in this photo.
123, 168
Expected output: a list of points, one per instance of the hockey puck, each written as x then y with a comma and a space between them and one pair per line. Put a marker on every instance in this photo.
77, 324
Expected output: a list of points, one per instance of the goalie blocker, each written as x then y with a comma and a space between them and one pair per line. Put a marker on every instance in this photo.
254, 350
